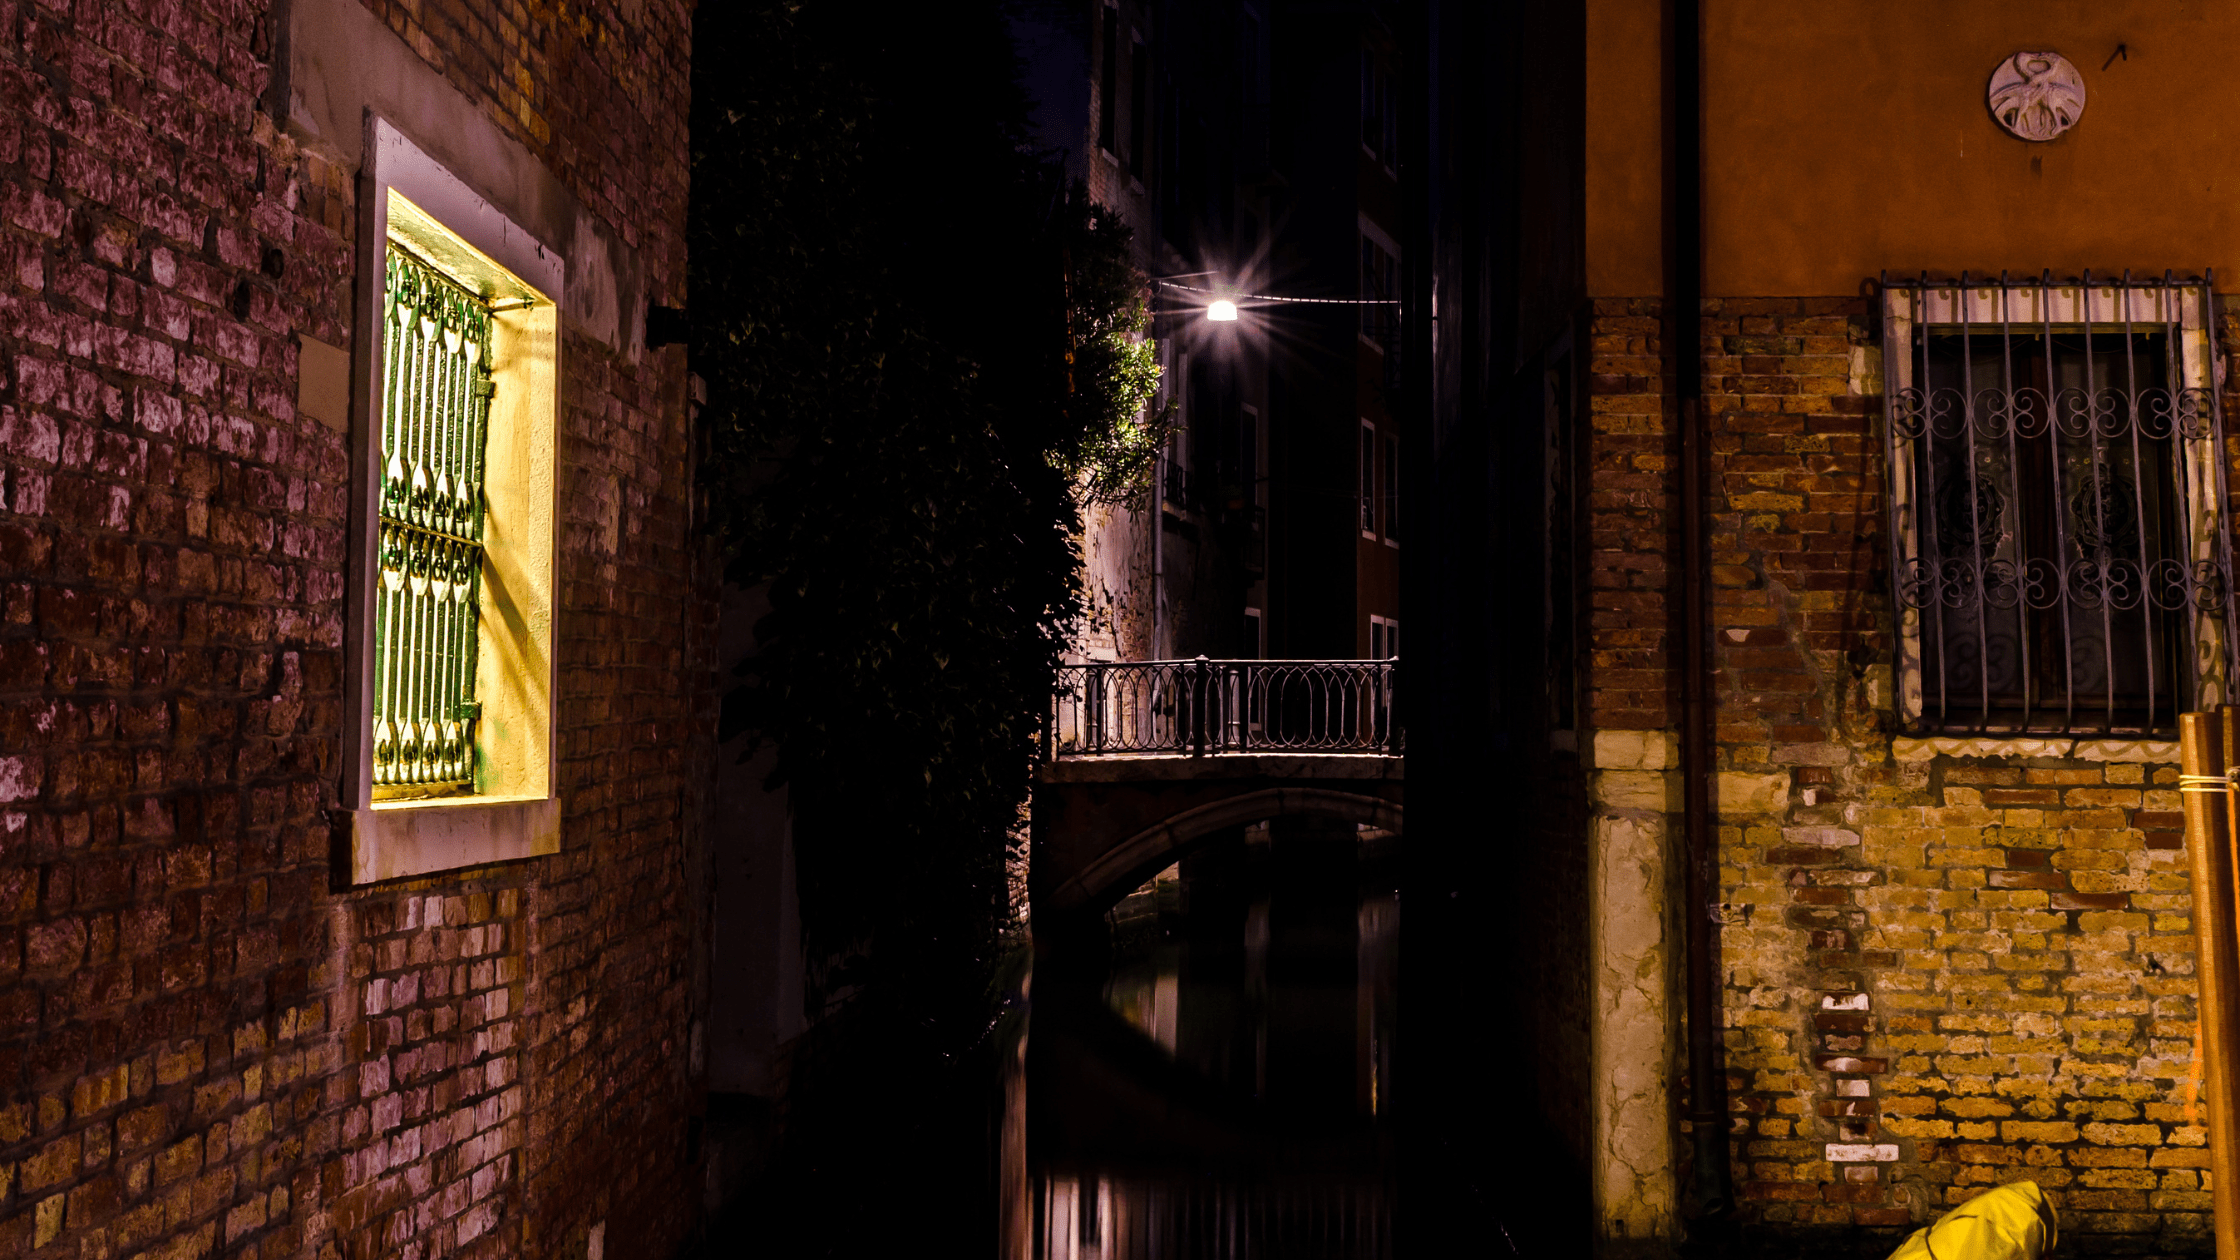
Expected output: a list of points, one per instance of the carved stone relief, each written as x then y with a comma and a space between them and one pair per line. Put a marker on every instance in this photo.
2036, 95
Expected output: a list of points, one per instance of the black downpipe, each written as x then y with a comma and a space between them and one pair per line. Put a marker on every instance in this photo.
1712, 1192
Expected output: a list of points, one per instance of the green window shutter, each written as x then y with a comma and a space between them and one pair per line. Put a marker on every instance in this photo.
435, 417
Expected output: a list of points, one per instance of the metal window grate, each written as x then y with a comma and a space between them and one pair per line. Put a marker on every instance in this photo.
2060, 559
435, 413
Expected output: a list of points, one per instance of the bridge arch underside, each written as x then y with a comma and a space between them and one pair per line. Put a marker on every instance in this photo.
1115, 861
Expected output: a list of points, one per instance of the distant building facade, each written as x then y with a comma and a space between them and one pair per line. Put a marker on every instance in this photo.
1251, 144
1967, 557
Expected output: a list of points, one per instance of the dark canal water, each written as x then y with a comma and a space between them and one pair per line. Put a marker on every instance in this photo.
1217, 1081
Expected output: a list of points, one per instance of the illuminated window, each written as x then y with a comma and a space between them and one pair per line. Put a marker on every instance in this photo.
452, 657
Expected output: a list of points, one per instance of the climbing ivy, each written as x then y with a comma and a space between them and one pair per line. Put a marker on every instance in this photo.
1113, 369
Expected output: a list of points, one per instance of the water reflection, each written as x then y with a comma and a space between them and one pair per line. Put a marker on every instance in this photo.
1220, 1085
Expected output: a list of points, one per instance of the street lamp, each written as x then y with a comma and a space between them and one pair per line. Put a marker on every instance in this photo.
1222, 312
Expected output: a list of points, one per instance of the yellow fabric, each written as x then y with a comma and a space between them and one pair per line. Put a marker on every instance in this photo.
2013, 1222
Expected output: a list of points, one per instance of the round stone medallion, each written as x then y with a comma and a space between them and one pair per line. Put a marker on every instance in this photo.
2036, 95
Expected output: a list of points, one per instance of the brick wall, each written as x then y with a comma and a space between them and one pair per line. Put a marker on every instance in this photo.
1949, 964
203, 1049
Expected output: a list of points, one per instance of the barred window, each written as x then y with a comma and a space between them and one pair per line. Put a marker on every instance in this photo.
435, 413
2060, 560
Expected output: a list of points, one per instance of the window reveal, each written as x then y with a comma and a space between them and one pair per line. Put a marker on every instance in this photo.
435, 412
2061, 560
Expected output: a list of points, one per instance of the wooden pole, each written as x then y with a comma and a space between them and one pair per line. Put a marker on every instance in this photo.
2203, 740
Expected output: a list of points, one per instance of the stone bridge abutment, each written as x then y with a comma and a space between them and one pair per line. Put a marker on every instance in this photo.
1103, 825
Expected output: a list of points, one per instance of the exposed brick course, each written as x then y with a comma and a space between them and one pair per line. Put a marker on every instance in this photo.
204, 1050
1943, 971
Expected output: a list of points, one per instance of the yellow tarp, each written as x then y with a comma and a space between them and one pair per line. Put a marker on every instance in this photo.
2013, 1222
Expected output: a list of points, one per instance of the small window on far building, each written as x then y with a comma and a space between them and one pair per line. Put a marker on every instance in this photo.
1380, 290
1384, 638
1248, 456
1177, 488
1392, 491
1108, 85
1368, 480
1139, 106
1252, 63
1380, 128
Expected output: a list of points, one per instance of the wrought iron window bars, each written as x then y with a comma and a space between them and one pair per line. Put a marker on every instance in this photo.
2057, 496
1205, 706
435, 414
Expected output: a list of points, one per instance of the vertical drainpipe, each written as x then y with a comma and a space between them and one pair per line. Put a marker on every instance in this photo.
1712, 1193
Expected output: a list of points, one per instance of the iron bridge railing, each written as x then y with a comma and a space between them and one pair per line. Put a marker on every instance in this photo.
1200, 707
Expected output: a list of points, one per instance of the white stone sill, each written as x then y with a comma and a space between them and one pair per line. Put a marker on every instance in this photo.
1647, 750
399, 839
1907, 748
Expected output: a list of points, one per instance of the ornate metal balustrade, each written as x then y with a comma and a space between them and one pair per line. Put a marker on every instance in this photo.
1205, 707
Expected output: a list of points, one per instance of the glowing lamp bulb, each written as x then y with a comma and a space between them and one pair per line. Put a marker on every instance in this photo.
1222, 312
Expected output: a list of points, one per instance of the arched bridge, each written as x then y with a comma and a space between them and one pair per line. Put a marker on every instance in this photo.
1146, 758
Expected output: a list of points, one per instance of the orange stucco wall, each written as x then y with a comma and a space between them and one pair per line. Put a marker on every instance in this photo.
1843, 137
1625, 177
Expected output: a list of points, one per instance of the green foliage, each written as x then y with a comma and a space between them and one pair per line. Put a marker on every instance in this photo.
893, 453
1113, 369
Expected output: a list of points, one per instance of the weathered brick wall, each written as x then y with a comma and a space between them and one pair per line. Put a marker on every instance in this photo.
1631, 497
1949, 964
203, 1050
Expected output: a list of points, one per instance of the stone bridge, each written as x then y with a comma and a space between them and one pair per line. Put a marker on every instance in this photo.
1148, 758
1103, 825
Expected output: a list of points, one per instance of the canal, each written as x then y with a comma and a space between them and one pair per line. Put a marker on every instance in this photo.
1216, 1080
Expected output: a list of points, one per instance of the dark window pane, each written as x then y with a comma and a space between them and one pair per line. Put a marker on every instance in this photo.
2050, 530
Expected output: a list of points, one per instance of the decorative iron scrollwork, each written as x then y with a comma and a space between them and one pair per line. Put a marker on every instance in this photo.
434, 432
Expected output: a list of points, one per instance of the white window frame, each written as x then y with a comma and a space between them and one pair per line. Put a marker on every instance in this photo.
514, 811
1384, 637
